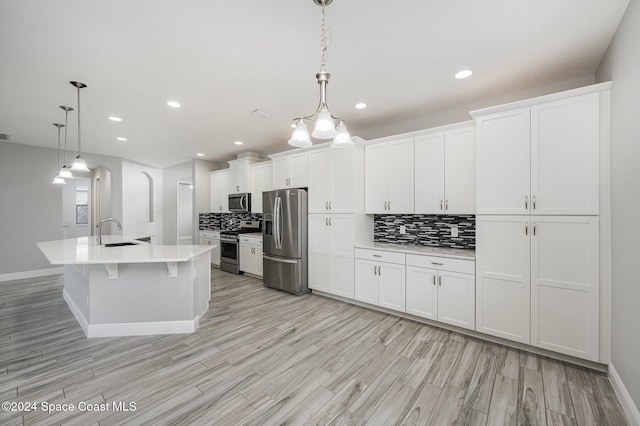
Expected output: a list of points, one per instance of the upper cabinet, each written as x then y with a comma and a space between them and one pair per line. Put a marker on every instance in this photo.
240, 174
389, 177
219, 186
540, 159
290, 170
444, 165
336, 179
260, 182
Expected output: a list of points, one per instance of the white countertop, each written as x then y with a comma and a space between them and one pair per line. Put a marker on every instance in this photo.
464, 254
85, 250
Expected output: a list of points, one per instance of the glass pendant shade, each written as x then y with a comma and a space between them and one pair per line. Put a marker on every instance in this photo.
58, 181
343, 138
325, 127
79, 165
300, 137
65, 173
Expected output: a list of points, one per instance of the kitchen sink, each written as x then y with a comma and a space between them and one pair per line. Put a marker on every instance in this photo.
126, 243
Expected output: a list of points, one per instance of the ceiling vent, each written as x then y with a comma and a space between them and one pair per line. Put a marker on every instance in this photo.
4, 137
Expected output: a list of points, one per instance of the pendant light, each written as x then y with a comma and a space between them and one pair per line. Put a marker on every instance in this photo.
325, 127
58, 180
65, 172
79, 165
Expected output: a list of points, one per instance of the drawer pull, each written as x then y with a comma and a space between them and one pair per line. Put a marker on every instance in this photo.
377, 255
437, 263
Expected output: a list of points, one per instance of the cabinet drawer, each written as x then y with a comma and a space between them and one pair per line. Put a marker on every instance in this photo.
256, 241
210, 234
442, 263
380, 256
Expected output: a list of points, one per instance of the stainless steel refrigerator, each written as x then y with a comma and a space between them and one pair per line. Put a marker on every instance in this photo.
284, 240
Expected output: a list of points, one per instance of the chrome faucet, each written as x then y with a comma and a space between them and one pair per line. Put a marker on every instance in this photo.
109, 219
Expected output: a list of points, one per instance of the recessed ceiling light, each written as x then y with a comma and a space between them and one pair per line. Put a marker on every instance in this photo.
238, 142
174, 104
360, 105
122, 139
200, 154
463, 74
114, 118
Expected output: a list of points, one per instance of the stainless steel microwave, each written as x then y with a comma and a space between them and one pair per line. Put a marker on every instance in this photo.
240, 203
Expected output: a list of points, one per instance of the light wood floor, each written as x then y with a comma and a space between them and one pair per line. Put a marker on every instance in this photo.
263, 357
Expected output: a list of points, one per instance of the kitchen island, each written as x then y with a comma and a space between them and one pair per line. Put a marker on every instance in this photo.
127, 287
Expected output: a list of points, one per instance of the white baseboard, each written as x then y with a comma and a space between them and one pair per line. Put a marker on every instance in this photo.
31, 274
629, 407
129, 329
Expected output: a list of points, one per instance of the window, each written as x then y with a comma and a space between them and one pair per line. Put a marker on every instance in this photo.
82, 205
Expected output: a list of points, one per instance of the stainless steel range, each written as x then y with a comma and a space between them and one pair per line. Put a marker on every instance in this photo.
230, 247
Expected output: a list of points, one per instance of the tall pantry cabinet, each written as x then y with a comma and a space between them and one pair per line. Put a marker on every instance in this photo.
538, 230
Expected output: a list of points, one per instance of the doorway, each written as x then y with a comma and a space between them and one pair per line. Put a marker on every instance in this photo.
184, 213
76, 208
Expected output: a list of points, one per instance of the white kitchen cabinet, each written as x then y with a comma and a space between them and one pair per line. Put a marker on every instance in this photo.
380, 278
260, 182
565, 289
389, 177
331, 254
503, 298
540, 159
219, 185
441, 289
445, 172
290, 170
336, 180
240, 174
251, 254
212, 238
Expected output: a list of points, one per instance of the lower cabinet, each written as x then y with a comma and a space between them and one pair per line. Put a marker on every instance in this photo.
251, 255
441, 289
380, 278
212, 238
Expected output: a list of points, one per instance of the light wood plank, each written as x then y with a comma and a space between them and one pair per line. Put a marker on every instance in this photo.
556, 388
531, 406
504, 402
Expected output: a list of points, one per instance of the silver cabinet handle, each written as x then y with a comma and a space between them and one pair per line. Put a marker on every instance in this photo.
441, 208
377, 255
329, 221
326, 221
439, 281
534, 228
437, 263
330, 205
238, 188
375, 270
533, 202
326, 205
434, 280
389, 205
526, 228
526, 202
379, 270
446, 204
385, 205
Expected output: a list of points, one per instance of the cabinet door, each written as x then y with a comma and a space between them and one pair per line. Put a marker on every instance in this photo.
215, 253
246, 258
319, 258
429, 174
456, 299
422, 292
239, 175
342, 176
503, 163
565, 137
376, 178
400, 176
391, 286
281, 172
503, 276
260, 182
341, 246
257, 254
460, 171
299, 170
319, 180
565, 289
366, 282
220, 191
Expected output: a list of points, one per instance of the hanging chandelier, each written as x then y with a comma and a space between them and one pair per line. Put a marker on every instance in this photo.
65, 172
58, 180
325, 122
79, 165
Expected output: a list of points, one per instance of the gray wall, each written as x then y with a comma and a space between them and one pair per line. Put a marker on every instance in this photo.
201, 190
621, 65
30, 206
170, 177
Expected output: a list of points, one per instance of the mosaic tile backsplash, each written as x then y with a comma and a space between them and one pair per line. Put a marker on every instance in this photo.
426, 230
226, 221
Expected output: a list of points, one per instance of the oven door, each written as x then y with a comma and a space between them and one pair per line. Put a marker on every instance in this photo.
229, 251
240, 203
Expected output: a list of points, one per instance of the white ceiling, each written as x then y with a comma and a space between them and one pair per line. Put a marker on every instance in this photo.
221, 60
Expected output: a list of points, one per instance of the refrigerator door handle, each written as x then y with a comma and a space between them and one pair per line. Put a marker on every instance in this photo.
277, 259
275, 222
279, 221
